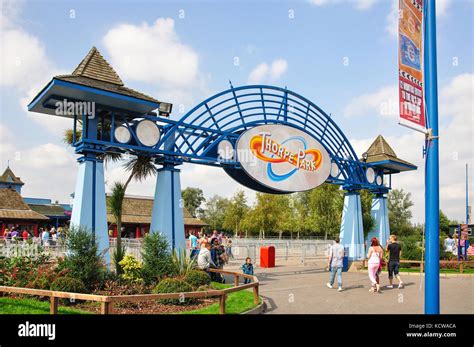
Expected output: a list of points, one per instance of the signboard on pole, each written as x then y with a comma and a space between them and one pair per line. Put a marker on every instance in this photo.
410, 67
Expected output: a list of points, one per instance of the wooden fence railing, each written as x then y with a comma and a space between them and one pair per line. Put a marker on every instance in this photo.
107, 302
460, 264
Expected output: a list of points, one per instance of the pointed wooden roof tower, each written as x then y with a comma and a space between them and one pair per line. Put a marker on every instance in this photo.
93, 80
381, 155
9, 177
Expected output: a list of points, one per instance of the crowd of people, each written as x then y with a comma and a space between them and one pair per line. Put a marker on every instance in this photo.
375, 263
214, 250
47, 236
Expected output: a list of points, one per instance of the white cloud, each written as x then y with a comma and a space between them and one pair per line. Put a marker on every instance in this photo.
383, 102
48, 170
152, 53
155, 54
456, 107
264, 71
25, 66
360, 5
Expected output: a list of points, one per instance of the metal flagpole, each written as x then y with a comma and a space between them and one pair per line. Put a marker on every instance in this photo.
432, 163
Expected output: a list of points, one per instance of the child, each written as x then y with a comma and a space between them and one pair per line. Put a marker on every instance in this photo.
247, 269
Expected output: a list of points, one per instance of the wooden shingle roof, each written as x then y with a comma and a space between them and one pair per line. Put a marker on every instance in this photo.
380, 151
96, 67
12, 206
9, 177
94, 71
137, 210
52, 210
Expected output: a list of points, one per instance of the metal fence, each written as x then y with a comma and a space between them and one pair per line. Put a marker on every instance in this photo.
299, 250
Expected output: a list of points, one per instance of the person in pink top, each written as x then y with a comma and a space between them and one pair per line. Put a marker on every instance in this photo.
374, 257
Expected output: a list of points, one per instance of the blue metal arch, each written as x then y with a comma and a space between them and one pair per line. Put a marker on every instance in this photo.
195, 136
234, 110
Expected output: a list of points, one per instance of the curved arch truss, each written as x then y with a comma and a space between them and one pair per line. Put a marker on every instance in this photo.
224, 116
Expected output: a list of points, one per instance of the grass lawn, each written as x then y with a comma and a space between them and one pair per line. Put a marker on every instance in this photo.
32, 306
235, 303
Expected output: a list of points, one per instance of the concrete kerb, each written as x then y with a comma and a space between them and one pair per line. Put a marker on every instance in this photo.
259, 309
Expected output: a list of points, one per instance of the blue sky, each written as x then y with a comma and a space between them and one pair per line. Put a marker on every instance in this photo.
340, 54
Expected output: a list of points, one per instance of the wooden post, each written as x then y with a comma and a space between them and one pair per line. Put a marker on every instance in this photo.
53, 305
256, 298
236, 280
461, 267
105, 308
422, 266
222, 304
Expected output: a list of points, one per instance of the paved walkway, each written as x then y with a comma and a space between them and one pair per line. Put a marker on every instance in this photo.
302, 289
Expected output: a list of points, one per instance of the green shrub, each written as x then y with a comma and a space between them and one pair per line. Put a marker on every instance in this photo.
174, 285
83, 259
182, 263
157, 259
68, 284
411, 248
132, 269
197, 278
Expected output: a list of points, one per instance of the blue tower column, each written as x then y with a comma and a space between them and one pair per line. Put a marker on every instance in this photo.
352, 231
379, 212
167, 214
89, 206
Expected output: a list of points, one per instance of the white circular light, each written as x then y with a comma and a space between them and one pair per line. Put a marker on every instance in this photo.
148, 133
225, 150
379, 180
334, 170
122, 134
370, 174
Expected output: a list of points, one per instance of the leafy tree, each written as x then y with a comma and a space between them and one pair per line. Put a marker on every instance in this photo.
443, 223
325, 203
399, 204
214, 212
193, 198
236, 212
267, 215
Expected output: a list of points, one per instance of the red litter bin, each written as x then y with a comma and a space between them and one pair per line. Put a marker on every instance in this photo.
267, 256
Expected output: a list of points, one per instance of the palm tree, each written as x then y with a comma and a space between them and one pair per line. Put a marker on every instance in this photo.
140, 168
115, 205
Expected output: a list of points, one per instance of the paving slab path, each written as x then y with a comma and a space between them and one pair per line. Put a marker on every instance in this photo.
296, 289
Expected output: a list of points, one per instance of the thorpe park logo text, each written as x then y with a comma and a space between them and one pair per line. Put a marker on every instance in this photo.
266, 149
283, 158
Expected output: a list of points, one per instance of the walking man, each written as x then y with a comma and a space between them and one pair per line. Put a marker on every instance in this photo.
335, 259
395, 250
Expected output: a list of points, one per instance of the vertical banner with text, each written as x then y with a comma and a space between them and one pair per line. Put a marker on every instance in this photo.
410, 64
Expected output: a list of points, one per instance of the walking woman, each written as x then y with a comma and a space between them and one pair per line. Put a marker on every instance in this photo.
375, 257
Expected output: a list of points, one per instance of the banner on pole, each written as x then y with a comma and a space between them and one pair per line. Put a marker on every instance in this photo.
410, 65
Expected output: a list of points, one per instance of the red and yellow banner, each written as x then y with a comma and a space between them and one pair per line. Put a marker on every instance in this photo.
410, 62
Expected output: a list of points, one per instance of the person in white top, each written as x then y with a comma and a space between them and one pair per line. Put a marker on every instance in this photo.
335, 261
375, 256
